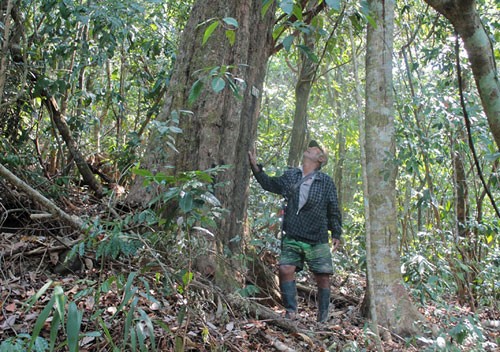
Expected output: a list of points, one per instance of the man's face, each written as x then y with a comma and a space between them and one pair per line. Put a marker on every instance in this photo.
313, 154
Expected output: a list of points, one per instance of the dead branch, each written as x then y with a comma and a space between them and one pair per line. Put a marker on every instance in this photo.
72, 220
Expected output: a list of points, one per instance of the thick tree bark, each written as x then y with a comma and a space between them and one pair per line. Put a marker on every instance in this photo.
393, 307
219, 129
465, 19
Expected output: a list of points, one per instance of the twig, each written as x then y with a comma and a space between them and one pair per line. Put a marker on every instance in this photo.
468, 127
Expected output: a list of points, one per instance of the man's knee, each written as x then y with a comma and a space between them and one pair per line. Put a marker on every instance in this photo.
287, 272
323, 280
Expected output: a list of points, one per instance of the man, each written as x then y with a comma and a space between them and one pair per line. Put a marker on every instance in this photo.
311, 211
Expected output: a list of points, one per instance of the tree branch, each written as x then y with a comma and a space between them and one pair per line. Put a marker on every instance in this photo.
72, 220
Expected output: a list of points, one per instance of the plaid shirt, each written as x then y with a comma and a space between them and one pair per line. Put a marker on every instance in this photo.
319, 215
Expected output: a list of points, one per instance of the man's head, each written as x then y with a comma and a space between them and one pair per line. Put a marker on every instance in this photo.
315, 151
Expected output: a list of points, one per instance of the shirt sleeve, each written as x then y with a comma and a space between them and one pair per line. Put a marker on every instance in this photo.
333, 212
278, 185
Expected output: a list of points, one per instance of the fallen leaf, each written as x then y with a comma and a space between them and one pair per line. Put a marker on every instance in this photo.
8, 323
10, 307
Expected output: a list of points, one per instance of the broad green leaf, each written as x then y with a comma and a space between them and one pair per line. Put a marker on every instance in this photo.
492, 156
73, 326
181, 315
129, 292
287, 6
40, 321
334, 4
142, 172
287, 42
141, 336
133, 339
265, 6
218, 84
297, 12
187, 278
195, 91
60, 302
107, 334
231, 36
37, 295
208, 32
277, 31
149, 325
54, 329
129, 320
310, 55
186, 203
231, 21
175, 129
371, 21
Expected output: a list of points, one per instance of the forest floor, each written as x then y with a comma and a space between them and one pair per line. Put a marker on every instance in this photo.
130, 303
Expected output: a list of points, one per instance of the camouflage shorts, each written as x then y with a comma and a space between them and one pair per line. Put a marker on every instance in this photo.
318, 257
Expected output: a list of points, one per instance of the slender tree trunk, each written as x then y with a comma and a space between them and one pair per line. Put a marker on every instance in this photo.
63, 128
220, 128
393, 306
371, 308
465, 19
299, 137
4, 50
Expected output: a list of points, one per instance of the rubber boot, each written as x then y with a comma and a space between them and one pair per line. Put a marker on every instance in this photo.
289, 298
323, 304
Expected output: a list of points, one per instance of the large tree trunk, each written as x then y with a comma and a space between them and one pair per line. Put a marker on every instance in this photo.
464, 17
220, 128
394, 309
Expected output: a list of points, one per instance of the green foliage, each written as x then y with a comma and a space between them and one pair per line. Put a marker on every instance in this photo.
249, 291
105, 63
458, 334
66, 320
217, 77
138, 330
21, 343
427, 280
229, 23
334, 4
